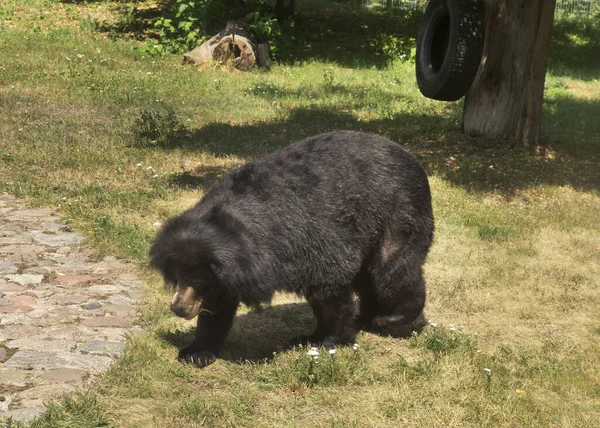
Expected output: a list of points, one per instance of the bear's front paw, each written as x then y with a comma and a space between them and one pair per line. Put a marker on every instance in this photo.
198, 358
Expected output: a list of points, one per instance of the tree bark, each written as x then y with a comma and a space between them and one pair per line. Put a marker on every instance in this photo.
507, 94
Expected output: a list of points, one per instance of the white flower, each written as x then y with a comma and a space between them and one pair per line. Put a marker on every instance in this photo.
433, 324
313, 352
479, 351
331, 351
487, 371
452, 329
355, 346
139, 164
155, 176
148, 167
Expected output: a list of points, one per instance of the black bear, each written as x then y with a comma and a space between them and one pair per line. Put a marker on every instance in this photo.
325, 217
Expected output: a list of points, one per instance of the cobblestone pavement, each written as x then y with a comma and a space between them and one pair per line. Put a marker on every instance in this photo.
63, 316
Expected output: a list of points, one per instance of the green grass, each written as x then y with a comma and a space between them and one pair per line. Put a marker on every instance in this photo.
514, 267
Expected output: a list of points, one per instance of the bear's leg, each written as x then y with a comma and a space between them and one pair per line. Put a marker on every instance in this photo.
214, 322
400, 289
337, 312
369, 306
321, 331
334, 321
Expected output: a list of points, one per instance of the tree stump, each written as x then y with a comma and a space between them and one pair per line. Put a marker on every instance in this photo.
231, 44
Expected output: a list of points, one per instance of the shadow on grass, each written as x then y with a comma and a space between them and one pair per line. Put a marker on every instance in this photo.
347, 37
571, 155
256, 335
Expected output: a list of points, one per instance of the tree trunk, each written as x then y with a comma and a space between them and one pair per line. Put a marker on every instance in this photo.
506, 96
284, 12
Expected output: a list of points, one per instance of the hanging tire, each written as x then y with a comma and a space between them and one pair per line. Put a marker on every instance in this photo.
449, 48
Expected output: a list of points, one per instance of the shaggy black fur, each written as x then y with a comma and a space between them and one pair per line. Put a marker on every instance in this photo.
327, 216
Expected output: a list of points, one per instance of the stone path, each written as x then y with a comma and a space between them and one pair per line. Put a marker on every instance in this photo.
63, 316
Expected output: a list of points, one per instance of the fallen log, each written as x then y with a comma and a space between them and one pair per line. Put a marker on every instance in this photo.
234, 44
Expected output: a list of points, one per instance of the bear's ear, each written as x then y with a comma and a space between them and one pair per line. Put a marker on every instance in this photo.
181, 241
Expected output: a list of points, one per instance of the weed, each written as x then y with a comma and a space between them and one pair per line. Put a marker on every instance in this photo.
313, 367
78, 410
443, 341
158, 126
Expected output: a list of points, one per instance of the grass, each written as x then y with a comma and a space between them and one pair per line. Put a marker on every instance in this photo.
514, 267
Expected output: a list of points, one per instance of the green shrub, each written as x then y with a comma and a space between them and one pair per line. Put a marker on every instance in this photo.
158, 126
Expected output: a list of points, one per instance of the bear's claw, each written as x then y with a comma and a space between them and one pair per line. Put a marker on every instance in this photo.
198, 358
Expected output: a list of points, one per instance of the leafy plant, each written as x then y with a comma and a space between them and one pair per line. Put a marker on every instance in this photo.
443, 341
158, 126
266, 29
188, 23
394, 48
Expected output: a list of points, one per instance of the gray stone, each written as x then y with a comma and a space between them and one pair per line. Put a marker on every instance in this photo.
73, 280
104, 289
113, 334
50, 225
70, 376
92, 306
3, 355
120, 310
51, 360
30, 213
15, 240
41, 345
5, 402
25, 415
120, 299
12, 318
108, 322
15, 379
75, 332
44, 393
68, 299
18, 331
57, 240
25, 279
8, 267
101, 347
39, 269
28, 254
135, 294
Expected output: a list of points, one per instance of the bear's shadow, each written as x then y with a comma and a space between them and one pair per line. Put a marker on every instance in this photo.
259, 333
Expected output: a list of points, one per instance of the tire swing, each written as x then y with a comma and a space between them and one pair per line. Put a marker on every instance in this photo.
449, 48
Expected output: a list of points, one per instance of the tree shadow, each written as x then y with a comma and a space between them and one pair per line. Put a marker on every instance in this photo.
570, 156
202, 177
256, 335
348, 37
